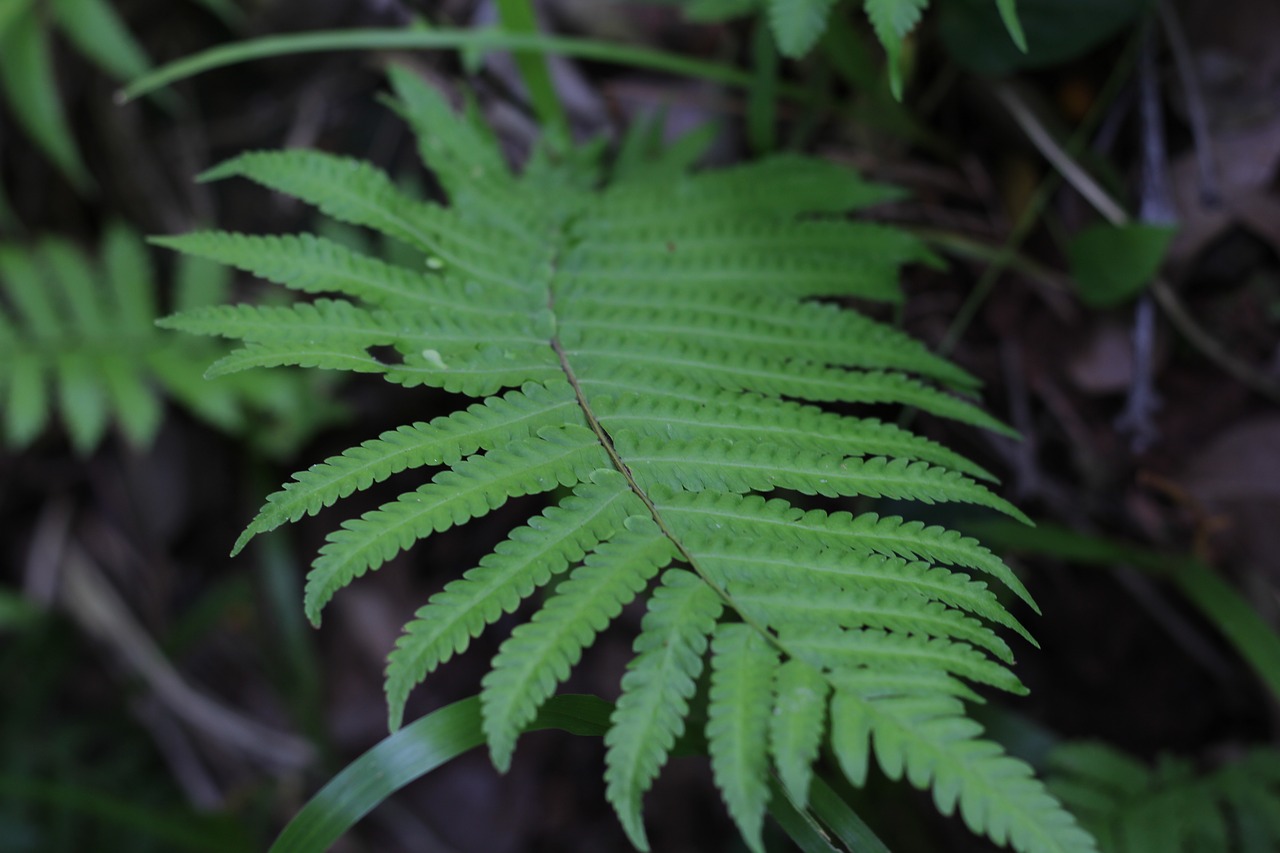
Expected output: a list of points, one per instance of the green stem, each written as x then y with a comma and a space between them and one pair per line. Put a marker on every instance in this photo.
517, 17
475, 40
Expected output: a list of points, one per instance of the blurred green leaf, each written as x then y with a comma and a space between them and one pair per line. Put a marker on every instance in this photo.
1052, 31
98, 33
798, 24
27, 75
1009, 14
892, 20
16, 612
1113, 263
10, 11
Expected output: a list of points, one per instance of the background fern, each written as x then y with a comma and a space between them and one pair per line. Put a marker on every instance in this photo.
78, 337
1171, 807
637, 346
797, 25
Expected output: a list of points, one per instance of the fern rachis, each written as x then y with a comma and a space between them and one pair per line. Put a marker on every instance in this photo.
645, 361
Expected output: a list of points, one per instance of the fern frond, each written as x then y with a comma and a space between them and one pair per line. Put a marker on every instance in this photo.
774, 329
651, 711
348, 190
342, 324
560, 456
778, 189
797, 24
530, 557
766, 420
313, 264
645, 348
332, 355
928, 740
1131, 807
820, 601
742, 673
443, 441
79, 331
831, 649
867, 533
539, 654
731, 558
798, 725
727, 467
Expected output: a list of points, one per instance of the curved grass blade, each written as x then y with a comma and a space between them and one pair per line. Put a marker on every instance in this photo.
443, 39
411, 753
843, 822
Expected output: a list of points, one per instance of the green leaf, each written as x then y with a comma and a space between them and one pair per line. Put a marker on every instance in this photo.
97, 31
530, 558
742, 673
651, 711
798, 24
471, 489
984, 37
797, 728
411, 753
539, 654
892, 20
1113, 263
1009, 14
11, 12
28, 79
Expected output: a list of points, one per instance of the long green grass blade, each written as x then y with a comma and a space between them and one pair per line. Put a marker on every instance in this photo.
442, 39
799, 825
27, 74
843, 822
411, 753
97, 31
518, 17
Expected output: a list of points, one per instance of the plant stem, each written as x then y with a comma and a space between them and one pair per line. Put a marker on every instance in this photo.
452, 39
518, 17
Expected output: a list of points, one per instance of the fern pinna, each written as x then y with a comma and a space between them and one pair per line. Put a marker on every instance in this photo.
642, 346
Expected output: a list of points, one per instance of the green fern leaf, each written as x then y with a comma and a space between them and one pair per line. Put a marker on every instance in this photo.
742, 673
78, 335
797, 727
1171, 807
645, 350
770, 421
562, 456
27, 74
315, 265
724, 466
892, 20
651, 711
866, 534
530, 557
539, 654
928, 740
797, 24
443, 441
